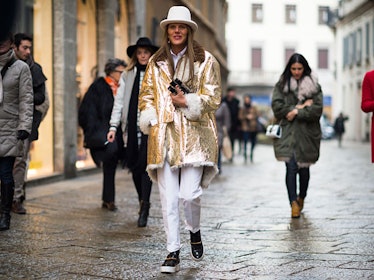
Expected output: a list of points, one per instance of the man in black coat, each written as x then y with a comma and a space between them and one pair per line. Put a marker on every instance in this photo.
22, 49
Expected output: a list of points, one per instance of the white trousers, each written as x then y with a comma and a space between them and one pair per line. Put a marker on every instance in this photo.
183, 184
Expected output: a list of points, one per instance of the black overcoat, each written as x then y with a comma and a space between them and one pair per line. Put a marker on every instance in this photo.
94, 115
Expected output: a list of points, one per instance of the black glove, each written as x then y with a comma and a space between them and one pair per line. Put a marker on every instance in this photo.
22, 134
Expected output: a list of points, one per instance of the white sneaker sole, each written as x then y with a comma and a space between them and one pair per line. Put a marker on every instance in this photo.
170, 269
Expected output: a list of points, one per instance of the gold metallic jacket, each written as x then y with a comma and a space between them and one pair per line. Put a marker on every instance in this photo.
182, 136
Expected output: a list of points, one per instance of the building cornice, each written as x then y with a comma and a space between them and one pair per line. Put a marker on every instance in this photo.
352, 15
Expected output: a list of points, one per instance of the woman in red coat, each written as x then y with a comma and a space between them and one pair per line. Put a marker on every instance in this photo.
367, 103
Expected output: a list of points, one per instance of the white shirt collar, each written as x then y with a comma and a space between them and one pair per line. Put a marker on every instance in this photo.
178, 56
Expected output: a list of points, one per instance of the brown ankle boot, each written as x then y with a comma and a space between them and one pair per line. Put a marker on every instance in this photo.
300, 201
295, 209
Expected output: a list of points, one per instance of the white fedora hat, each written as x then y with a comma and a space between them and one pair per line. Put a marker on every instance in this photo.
179, 14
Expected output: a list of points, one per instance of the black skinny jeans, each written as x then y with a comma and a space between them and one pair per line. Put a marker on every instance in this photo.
291, 182
6, 170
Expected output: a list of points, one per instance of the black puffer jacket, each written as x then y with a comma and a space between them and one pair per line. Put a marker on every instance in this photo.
38, 84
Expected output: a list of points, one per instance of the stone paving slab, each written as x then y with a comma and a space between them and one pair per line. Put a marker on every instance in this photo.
246, 226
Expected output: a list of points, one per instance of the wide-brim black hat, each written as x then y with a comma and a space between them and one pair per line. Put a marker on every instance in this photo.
142, 42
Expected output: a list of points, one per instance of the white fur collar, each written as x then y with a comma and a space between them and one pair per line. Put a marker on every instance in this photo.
304, 88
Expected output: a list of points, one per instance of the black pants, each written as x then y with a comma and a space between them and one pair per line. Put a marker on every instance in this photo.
291, 174
110, 161
143, 183
6, 170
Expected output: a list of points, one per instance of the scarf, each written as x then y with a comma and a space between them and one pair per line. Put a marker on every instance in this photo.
304, 88
113, 84
4, 58
133, 131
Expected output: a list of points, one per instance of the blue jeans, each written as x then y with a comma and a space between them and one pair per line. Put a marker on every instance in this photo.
291, 173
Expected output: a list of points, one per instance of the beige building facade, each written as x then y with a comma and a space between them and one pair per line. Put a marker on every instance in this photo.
72, 41
263, 34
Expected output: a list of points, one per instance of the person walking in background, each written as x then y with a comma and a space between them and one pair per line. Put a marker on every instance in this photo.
297, 105
248, 117
367, 103
125, 112
180, 93
223, 120
22, 49
339, 127
233, 104
16, 110
94, 115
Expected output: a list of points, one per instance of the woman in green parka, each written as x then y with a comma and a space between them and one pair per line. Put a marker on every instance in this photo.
297, 105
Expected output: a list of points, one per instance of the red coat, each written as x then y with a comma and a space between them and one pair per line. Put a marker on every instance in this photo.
367, 103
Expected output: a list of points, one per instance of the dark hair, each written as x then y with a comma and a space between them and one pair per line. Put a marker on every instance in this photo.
112, 64
20, 37
286, 75
230, 88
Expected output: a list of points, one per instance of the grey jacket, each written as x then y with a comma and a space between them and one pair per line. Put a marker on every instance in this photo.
16, 110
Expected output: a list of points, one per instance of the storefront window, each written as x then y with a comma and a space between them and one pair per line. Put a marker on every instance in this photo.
86, 66
41, 151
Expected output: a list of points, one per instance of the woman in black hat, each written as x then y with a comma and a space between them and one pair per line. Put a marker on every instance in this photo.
125, 112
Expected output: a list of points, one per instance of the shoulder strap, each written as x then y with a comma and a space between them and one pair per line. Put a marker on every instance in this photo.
5, 68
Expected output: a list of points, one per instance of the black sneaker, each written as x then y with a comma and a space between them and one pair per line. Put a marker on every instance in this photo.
171, 263
197, 249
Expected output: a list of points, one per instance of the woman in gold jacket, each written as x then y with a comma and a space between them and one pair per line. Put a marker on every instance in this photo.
180, 122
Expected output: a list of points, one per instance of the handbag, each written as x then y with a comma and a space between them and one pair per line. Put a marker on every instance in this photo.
274, 131
226, 145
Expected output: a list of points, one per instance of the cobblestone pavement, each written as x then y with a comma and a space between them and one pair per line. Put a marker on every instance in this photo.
246, 226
